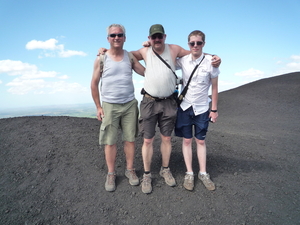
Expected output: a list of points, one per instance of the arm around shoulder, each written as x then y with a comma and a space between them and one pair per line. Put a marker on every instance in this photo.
138, 54
216, 60
138, 67
178, 51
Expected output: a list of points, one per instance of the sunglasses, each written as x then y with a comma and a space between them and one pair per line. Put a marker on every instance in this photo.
159, 36
193, 43
114, 35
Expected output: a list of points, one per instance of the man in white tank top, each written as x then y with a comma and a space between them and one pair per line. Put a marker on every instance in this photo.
119, 106
158, 106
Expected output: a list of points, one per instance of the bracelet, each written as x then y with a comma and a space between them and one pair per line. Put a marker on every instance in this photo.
214, 111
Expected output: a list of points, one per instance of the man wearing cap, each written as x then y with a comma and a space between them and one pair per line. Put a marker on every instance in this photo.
158, 106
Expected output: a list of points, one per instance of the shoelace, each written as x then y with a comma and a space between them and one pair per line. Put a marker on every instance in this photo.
169, 175
146, 180
111, 179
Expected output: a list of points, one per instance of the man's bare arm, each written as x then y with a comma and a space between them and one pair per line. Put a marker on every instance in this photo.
95, 88
214, 98
138, 67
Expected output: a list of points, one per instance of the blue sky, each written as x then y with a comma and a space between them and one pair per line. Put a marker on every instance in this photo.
48, 47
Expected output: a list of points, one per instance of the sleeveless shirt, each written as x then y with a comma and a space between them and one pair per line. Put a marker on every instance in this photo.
117, 85
159, 79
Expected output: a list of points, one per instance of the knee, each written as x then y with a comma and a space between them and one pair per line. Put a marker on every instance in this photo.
200, 142
186, 142
165, 139
148, 142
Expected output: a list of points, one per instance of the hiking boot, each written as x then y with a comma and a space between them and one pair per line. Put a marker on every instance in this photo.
131, 175
207, 181
169, 179
188, 182
146, 183
110, 184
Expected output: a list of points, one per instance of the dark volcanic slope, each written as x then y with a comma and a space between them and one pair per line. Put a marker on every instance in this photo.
52, 170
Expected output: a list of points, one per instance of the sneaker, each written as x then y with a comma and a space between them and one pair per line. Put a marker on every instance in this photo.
188, 182
169, 179
131, 175
146, 183
110, 184
207, 181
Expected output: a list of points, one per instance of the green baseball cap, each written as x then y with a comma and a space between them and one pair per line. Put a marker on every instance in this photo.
156, 28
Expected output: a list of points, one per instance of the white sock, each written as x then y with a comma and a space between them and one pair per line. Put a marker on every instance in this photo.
203, 173
190, 173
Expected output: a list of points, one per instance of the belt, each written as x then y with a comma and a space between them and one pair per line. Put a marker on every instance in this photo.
157, 98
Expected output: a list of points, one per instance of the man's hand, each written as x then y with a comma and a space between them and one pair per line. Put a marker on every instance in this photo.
146, 44
101, 51
213, 116
216, 61
100, 114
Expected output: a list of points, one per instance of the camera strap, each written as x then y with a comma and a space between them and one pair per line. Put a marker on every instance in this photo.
164, 62
181, 96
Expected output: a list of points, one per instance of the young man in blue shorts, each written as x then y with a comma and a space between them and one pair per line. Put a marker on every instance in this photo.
194, 110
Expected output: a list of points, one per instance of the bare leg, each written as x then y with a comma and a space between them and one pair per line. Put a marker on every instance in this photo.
147, 152
110, 157
187, 153
201, 152
129, 149
165, 149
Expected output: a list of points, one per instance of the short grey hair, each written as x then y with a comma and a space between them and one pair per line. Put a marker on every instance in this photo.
116, 25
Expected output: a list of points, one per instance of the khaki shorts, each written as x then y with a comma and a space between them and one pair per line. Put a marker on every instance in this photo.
154, 112
123, 116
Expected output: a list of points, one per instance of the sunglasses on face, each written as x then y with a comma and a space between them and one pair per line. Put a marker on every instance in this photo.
197, 43
159, 36
114, 35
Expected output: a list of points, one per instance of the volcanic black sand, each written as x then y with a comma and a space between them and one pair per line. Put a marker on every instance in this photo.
53, 171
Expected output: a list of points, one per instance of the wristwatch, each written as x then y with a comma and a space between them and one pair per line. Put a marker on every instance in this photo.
214, 111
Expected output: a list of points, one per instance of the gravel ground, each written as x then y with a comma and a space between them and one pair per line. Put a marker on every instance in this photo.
52, 170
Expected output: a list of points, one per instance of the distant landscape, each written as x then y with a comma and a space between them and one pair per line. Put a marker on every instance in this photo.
77, 110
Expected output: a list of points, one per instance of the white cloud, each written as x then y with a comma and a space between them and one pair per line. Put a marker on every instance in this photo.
20, 86
16, 67
226, 85
31, 80
62, 86
1, 82
51, 45
63, 77
26, 70
295, 57
293, 65
251, 73
69, 53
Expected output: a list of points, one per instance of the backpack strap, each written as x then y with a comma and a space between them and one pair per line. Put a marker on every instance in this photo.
102, 60
130, 55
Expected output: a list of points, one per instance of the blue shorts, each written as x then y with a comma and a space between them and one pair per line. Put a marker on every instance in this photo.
186, 120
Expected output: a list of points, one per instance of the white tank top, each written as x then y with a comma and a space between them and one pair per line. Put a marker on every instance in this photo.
159, 79
117, 85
